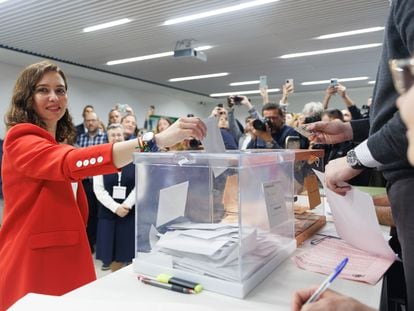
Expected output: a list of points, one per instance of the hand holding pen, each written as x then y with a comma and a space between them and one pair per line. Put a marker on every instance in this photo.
328, 301
328, 281
321, 298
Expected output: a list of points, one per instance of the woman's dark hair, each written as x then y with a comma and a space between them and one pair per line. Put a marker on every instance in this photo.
163, 118
21, 106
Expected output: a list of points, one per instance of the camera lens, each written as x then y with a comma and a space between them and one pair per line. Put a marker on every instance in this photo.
259, 125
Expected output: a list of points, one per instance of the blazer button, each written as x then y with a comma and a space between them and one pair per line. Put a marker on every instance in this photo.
100, 159
85, 162
92, 161
79, 163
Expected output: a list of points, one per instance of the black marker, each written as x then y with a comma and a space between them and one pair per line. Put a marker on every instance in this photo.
172, 287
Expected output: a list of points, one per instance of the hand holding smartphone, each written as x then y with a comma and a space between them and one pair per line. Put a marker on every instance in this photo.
289, 86
263, 82
334, 82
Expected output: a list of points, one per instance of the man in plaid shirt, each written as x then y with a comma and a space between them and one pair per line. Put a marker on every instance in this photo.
91, 138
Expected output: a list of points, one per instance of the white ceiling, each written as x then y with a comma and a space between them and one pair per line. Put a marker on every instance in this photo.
246, 43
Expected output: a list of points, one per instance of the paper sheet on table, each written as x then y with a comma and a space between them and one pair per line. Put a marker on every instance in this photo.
171, 204
356, 222
324, 257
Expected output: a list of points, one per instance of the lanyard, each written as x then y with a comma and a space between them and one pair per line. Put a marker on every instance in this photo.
119, 178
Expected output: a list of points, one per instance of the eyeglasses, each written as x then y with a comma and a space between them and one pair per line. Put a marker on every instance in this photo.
402, 71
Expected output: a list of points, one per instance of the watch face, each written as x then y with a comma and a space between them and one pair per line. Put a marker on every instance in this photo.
352, 159
148, 136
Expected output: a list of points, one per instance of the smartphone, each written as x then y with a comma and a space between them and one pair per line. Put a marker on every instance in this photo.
263, 82
289, 81
292, 142
334, 82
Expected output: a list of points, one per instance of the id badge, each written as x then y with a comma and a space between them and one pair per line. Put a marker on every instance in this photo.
119, 192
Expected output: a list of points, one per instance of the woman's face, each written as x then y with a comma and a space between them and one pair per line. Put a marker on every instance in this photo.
50, 98
162, 125
115, 135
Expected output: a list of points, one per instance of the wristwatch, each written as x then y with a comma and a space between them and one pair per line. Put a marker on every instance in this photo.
353, 161
148, 140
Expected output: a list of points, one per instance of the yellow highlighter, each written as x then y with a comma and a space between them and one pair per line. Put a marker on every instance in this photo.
165, 278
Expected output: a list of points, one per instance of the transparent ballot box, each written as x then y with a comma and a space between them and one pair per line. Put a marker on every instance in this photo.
222, 220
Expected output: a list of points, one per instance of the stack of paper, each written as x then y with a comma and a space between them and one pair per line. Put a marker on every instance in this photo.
217, 249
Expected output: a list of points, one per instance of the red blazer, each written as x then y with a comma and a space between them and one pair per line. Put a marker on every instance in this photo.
43, 243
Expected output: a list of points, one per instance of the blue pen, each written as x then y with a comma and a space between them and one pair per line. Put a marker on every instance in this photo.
328, 281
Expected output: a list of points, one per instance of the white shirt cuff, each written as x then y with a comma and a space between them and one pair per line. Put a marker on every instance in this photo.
364, 155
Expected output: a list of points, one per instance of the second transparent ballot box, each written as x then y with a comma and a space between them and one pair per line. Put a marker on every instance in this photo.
223, 220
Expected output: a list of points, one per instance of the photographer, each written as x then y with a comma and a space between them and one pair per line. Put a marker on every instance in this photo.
271, 132
241, 135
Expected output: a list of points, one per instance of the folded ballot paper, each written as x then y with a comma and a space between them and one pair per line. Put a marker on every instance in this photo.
362, 240
215, 249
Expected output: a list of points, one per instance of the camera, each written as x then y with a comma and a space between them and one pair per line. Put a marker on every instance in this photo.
237, 100
260, 125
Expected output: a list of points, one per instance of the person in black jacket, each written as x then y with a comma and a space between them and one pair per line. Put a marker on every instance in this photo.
385, 148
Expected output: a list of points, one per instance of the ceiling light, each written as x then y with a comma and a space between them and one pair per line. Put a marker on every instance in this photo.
244, 83
350, 33
339, 80
242, 93
107, 25
371, 82
212, 75
1, 1
151, 56
343, 49
217, 12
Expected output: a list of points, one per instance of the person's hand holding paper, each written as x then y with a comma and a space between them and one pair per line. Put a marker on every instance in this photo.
356, 221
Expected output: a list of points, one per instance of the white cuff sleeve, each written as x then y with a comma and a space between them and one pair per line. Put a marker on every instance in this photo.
364, 155
102, 195
130, 200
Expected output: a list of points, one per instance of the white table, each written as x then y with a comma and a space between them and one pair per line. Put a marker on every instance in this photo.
274, 293
121, 290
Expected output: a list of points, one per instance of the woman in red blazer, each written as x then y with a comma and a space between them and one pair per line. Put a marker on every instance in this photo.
43, 243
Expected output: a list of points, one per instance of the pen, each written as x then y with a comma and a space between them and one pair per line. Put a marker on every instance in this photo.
174, 288
165, 278
328, 281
